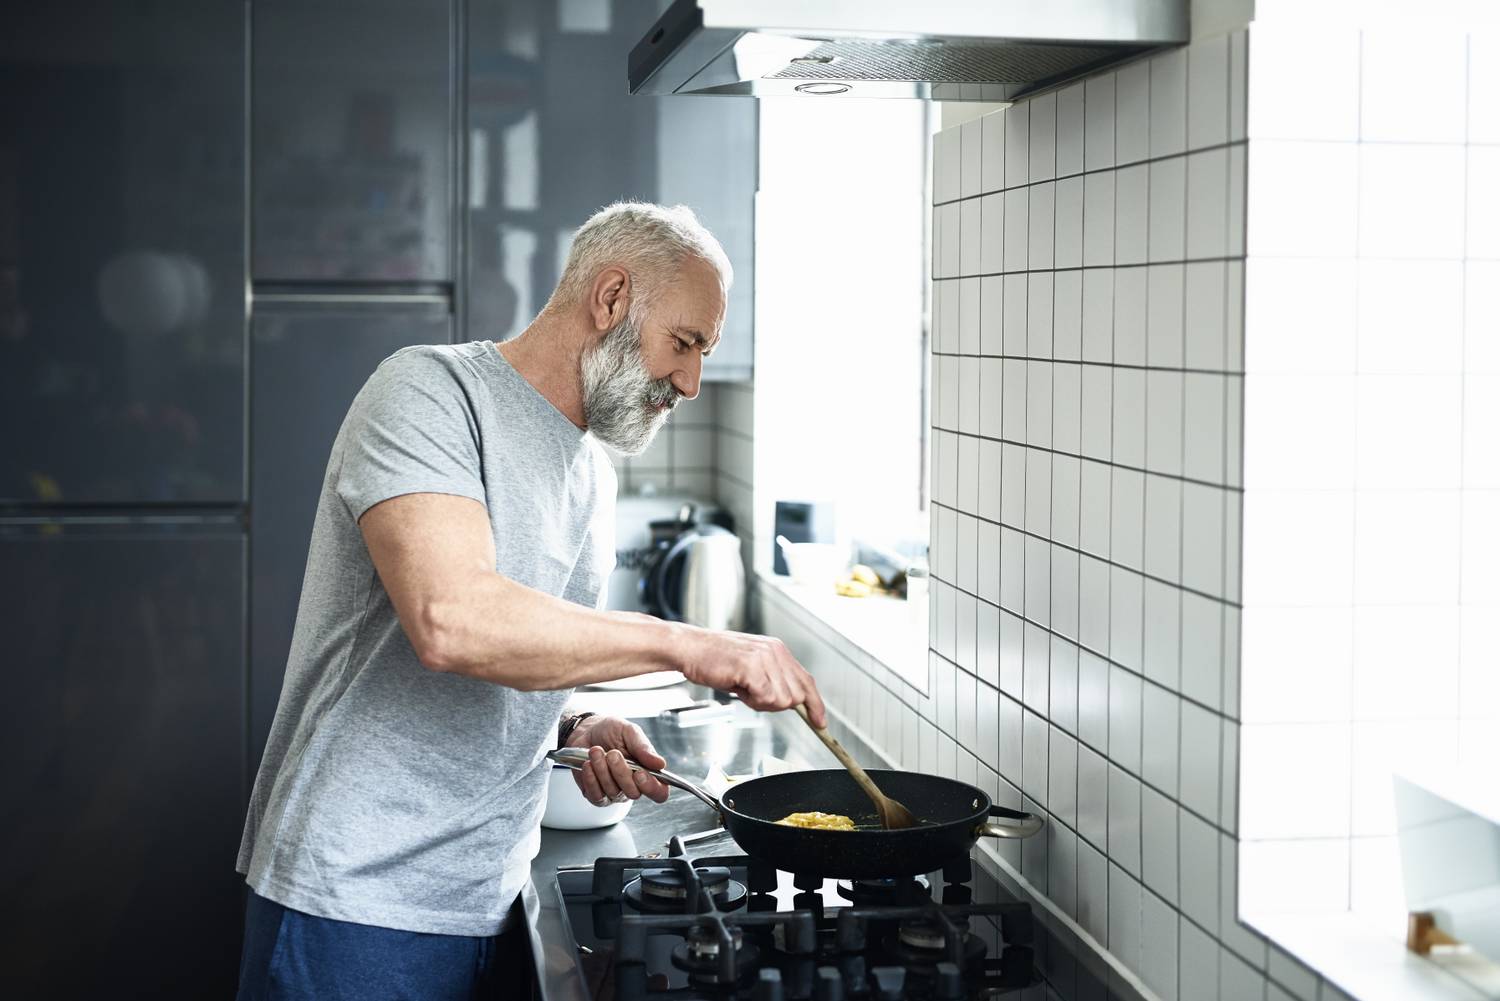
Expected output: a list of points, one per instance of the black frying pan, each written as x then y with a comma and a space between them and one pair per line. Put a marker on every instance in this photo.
953, 816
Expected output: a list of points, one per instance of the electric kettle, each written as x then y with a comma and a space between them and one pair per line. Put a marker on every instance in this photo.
700, 579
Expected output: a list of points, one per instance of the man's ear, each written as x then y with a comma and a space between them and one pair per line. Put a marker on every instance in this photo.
609, 298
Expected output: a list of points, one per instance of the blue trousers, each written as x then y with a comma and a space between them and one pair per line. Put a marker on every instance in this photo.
292, 956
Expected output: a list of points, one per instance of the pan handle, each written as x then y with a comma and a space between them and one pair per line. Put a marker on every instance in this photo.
576, 757
1008, 823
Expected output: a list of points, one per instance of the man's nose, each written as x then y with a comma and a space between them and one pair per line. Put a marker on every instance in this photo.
685, 379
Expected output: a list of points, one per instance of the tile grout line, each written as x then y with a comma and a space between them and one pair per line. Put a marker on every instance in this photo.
1109, 522
1078, 506
1354, 513
1463, 331
1133, 265
1144, 471
1223, 463
1182, 757
1145, 454
1186, 152
1195, 150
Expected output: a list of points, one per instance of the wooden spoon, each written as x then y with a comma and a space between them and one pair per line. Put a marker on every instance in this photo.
893, 816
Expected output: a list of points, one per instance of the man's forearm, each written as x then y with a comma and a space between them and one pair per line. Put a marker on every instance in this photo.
498, 630
435, 555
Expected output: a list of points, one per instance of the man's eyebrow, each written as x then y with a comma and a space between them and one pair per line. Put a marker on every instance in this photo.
697, 336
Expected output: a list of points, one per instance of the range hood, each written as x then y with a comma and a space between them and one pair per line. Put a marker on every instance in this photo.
943, 50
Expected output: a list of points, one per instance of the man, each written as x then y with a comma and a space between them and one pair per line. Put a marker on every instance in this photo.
462, 542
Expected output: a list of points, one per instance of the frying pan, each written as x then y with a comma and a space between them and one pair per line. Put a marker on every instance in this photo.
953, 816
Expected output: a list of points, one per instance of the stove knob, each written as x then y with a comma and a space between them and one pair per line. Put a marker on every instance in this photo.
950, 983
853, 970
830, 985
849, 932
768, 987
801, 935
890, 983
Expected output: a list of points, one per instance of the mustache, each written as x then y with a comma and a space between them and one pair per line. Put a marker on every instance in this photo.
662, 393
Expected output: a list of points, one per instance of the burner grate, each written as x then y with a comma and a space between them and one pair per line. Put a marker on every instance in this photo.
724, 963
731, 927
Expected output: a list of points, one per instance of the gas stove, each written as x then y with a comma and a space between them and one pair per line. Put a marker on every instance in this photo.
703, 923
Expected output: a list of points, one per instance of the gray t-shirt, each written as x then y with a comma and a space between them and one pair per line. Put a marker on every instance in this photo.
389, 794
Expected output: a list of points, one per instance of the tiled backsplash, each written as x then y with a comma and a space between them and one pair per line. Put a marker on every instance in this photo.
706, 450
734, 469
1086, 422
1088, 383
681, 459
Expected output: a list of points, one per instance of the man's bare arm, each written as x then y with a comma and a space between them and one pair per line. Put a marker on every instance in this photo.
436, 558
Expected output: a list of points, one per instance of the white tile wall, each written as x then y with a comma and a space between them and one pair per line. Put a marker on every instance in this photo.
1104, 463
683, 456
733, 457
706, 451
1090, 309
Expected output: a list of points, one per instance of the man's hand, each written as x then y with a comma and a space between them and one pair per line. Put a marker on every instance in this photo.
607, 778
759, 669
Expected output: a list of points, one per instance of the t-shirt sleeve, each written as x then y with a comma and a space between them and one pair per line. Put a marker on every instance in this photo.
411, 430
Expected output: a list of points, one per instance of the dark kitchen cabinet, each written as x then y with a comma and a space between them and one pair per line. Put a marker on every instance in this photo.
307, 361
124, 727
122, 252
352, 133
553, 135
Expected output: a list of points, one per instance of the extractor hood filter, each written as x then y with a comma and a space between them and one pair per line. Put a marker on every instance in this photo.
952, 51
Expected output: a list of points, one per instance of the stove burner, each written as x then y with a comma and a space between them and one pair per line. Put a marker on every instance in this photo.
921, 933
670, 885
702, 943
922, 943
667, 889
700, 954
899, 891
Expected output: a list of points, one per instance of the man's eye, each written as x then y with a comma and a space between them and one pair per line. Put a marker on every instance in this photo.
683, 345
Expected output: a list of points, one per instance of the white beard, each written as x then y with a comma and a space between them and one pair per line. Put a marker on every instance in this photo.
622, 404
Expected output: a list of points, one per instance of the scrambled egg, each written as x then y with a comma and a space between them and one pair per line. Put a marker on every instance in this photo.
819, 821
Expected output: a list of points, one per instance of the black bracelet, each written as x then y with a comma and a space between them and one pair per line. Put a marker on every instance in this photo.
567, 725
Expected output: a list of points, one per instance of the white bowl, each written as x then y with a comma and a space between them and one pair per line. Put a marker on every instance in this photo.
567, 810
815, 564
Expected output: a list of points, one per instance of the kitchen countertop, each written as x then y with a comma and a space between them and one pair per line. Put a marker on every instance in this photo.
738, 745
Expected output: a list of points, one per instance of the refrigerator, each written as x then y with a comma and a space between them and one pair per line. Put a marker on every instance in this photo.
122, 496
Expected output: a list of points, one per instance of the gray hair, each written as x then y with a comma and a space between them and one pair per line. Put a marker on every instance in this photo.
649, 241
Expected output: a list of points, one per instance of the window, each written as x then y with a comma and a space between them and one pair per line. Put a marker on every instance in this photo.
841, 310
841, 327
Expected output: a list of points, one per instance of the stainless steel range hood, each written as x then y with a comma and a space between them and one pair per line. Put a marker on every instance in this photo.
944, 50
